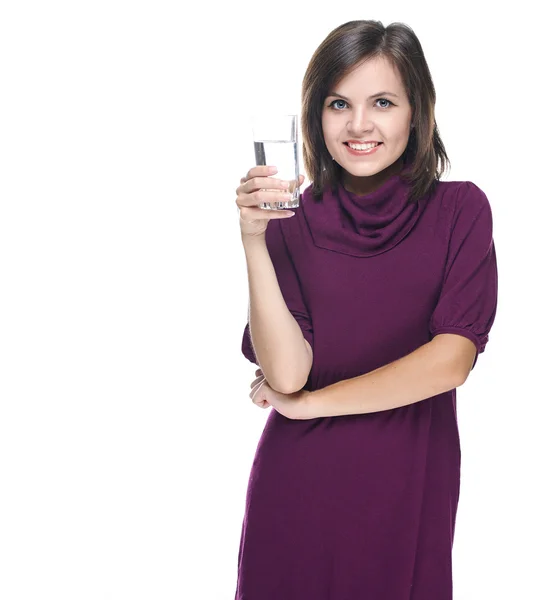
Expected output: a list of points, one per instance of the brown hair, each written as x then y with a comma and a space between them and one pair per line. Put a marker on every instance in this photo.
344, 49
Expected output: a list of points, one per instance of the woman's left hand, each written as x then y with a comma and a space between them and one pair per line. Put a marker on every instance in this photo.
292, 406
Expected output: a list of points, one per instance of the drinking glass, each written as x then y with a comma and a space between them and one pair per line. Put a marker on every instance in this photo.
275, 142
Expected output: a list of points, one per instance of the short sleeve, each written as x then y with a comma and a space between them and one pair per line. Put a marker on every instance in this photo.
468, 299
289, 284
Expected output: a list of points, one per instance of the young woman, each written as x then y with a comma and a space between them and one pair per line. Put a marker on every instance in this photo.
368, 309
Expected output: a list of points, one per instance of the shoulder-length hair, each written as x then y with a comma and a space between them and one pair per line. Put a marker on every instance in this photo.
345, 48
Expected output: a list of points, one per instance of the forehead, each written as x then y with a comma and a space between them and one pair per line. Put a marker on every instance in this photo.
371, 76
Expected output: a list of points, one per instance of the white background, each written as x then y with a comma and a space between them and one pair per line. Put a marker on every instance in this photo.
126, 429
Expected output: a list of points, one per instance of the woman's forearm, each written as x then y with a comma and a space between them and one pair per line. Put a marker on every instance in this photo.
282, 352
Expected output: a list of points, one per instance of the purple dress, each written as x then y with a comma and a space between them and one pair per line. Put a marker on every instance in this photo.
363, 507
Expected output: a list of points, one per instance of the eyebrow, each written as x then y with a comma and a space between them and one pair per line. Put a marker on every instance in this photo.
370, 97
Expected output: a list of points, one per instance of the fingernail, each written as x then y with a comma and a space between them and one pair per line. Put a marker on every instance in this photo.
290, 214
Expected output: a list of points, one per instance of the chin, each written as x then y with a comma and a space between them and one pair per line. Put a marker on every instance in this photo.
364, 170
370, 167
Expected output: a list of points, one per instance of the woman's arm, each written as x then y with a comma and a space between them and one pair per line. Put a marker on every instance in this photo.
284, 355
433, 368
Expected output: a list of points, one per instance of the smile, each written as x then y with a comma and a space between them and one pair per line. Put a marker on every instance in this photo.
362, 149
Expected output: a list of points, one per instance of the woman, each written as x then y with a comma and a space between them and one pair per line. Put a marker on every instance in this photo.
367, 309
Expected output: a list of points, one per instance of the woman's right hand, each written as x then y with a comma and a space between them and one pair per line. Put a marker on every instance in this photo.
251, 192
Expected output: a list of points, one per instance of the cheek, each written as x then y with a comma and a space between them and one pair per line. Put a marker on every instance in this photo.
330, 130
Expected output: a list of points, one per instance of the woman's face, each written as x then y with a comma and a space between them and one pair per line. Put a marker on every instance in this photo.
368, 105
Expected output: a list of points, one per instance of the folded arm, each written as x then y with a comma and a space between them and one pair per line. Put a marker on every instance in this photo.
436, 367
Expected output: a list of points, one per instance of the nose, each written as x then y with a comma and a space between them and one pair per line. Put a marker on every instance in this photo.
360, 122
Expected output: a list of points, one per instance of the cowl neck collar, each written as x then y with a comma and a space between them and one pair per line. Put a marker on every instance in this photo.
364, 225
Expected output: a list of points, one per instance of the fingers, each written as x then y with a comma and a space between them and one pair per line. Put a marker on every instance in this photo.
256, 386
258, 188
256, 389
260, 171
253, 214
264, 183
258, 178
256, 381
254, 199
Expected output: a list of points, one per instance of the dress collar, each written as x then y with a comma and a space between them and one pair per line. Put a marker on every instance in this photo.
364, 225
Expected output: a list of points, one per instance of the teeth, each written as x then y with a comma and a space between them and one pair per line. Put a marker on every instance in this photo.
362, 146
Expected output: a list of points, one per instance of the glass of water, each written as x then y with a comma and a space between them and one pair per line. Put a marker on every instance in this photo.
275, 141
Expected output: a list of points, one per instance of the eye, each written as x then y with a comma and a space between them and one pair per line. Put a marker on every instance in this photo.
385, 100
333, 104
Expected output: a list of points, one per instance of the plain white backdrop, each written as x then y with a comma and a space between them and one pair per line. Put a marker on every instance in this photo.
126, 428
